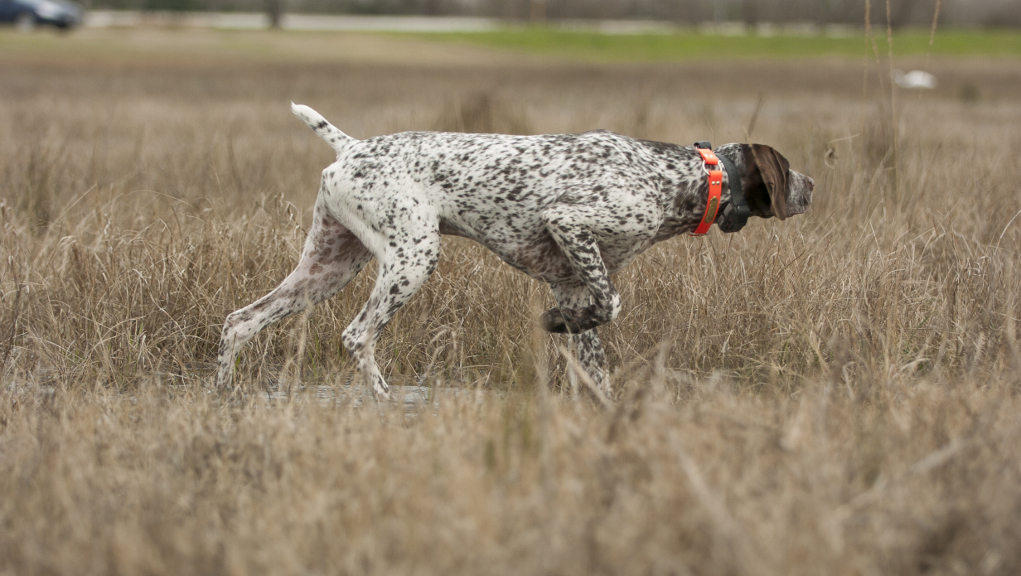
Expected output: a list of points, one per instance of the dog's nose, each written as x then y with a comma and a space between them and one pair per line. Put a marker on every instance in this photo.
811, 182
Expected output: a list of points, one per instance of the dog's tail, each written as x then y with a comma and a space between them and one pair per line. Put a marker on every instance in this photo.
333, 136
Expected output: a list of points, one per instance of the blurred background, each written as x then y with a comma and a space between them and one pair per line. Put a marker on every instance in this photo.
686, 12
752, 15
175, 117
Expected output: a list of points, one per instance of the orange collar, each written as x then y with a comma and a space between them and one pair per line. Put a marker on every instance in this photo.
711, 165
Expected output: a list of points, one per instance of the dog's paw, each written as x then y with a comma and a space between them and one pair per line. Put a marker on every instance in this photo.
585, 320
556, 321
553, 321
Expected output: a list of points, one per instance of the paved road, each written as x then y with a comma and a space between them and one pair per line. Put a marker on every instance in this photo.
256, 20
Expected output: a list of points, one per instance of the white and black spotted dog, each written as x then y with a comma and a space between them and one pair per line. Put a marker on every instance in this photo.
569, 209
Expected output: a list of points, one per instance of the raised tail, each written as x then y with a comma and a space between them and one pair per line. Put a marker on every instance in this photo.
333, 136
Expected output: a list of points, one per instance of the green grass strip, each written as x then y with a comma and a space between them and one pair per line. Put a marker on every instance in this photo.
688, 45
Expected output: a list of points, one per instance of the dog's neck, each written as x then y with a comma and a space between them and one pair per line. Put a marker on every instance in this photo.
734, 212
689, 203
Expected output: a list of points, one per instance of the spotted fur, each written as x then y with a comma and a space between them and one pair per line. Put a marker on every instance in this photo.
568, 209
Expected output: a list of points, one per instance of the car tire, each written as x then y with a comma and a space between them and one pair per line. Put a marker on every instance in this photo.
25, 22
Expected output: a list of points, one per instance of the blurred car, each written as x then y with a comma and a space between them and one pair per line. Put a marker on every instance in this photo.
26, 14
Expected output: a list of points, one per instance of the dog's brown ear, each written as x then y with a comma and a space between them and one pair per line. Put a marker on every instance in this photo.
773, 168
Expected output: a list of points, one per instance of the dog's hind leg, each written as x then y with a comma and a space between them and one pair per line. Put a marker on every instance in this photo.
331, 257
586, 346
408, 259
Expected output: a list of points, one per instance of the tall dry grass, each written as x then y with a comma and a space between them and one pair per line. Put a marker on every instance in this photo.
831, 394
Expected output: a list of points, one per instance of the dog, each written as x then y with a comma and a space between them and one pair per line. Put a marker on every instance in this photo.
567, 209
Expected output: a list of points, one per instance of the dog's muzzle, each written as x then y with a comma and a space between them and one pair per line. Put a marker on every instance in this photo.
801, 193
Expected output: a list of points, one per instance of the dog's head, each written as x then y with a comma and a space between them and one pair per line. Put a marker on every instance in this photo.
770, 187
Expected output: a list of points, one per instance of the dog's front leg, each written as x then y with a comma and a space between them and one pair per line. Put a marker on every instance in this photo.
586, 346
566, 223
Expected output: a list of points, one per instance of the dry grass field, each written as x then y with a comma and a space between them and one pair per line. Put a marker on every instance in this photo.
834, 394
